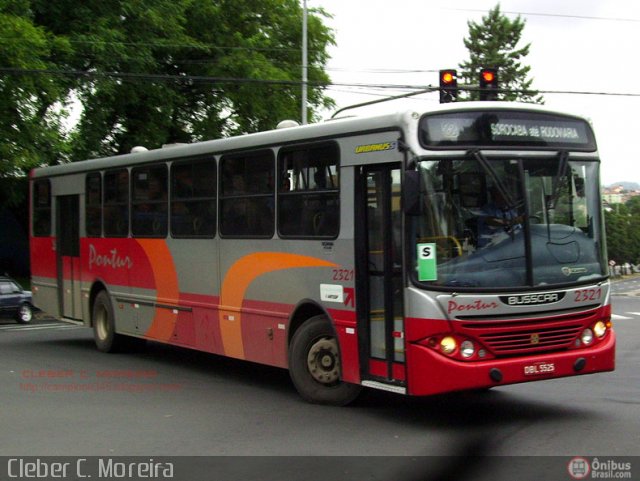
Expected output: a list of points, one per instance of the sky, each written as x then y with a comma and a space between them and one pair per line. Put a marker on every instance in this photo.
576, 45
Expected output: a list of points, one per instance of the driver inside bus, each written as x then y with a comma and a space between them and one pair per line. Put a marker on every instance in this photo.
496, 219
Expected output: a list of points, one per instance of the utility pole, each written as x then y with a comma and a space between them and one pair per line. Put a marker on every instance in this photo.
304, 62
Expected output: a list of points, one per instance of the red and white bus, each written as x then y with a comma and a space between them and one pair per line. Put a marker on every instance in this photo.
415, 252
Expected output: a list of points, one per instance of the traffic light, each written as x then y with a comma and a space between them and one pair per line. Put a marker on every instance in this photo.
448, 86
488, 84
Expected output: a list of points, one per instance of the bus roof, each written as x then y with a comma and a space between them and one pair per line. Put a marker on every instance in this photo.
338, 127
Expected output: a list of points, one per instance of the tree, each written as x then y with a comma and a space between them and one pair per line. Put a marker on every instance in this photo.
494, 43
152, 72
623, 231
31, 106
243, 43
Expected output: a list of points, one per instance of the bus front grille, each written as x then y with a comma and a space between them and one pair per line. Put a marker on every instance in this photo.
525, 337
531, 340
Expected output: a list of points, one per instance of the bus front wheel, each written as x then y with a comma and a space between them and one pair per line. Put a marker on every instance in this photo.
314, 365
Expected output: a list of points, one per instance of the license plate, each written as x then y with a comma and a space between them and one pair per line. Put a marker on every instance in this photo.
539, 368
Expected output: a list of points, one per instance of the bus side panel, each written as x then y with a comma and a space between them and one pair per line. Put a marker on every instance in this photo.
44, 274
262, 283
345, 326
196, 274
260, 288
110, 262
204, 320
43, 257
264, 333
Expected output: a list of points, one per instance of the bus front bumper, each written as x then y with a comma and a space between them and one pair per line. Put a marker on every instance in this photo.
430, 372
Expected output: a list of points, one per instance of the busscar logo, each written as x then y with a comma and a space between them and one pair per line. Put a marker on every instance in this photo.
532, 299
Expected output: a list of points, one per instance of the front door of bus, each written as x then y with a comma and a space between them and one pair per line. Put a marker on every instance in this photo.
68, 249
380, 286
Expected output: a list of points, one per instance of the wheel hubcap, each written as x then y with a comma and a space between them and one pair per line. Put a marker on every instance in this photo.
25, 313
101, 324
323, 361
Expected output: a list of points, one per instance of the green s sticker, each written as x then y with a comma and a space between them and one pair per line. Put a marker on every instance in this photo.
427, 263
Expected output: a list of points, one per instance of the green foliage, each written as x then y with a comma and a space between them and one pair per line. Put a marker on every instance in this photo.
494, 43
150, 67
31, 106
623, 231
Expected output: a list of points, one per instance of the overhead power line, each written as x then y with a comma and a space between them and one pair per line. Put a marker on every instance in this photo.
296, 83
188, 78
195, 46
559, 15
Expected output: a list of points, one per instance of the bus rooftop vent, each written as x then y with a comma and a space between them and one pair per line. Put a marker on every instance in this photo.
285, 124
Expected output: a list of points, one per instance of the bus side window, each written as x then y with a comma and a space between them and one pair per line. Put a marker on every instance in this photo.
149, 201
193, 198
42, 208
308, 200
247, 195
116, 203
93, 207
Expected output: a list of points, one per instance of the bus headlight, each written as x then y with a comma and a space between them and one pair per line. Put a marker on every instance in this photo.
587, 337
600, 329
467, 349
448, 345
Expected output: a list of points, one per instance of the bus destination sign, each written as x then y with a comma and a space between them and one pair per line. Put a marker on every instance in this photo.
523, 130
502, 129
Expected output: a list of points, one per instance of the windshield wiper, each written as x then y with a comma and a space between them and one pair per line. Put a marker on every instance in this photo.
555, 184
550, 202
488, 168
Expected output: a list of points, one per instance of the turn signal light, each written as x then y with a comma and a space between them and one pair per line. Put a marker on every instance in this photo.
600, 329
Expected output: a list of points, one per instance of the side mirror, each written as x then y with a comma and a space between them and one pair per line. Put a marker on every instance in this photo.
411, 193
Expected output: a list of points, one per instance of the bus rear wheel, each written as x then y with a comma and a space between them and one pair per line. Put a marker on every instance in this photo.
314, 365
104, 325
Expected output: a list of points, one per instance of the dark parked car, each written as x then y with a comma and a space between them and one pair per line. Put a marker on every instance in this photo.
15, 303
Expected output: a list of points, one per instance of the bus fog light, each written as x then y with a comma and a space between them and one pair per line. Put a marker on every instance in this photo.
448, 345
587, 337
467, 349
599, 329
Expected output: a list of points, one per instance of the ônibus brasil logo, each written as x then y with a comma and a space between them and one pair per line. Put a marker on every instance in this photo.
579, 468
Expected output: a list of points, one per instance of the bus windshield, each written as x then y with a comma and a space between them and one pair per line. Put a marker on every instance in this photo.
504, 222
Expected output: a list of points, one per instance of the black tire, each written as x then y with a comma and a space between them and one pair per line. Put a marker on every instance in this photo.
25, 314
314, 365
104, 325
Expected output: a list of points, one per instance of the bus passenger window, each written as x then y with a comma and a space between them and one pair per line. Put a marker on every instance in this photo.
42, 208
247, 200
308, 200
116, 203
149, 201
93, 207
193, 199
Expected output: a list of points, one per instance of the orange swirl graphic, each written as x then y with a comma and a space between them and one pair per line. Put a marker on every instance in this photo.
166, 282
239, 277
